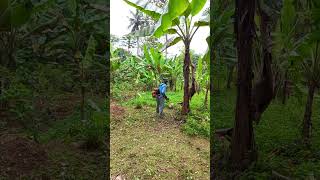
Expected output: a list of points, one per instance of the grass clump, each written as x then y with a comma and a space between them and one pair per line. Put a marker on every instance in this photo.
195, 126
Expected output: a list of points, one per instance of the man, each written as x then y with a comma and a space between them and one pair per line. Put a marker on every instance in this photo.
161, 97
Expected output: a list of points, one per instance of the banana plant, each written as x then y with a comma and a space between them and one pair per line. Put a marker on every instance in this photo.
221, 32
17, 26
173, 67
309, 54
154, 62
75, 42
203, 77
310, 67
16, 29
285, 46
115, 60
177, 19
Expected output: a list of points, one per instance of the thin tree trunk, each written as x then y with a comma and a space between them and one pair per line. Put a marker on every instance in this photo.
243, 151
171, 84
307, 124
186, 73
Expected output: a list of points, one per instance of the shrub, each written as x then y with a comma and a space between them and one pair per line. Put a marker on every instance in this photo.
95, 129
197, 127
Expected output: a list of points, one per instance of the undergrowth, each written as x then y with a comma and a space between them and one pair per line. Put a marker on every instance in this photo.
277, 137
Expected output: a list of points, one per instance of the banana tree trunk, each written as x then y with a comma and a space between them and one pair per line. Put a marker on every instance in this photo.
243, 151
186, 73
193, 82
307, 124
263, 90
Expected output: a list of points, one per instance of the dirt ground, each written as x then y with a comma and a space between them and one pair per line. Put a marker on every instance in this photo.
20, 156
55, 158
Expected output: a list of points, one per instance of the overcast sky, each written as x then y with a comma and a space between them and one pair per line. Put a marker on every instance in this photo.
120, 11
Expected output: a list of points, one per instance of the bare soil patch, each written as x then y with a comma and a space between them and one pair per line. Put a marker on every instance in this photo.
20, 156
116, 110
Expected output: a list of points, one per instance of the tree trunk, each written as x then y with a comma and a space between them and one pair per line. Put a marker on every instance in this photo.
307, 124
243, 151
171, 82
263, 90
193, 82
186, 73
230, 77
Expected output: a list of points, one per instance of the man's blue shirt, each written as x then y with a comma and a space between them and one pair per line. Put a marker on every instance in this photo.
162, 88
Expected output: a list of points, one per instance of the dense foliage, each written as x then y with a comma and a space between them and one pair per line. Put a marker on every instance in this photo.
53, 68
278, 69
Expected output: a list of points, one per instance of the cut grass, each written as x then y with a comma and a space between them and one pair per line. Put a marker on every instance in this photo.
151, 148
277, 137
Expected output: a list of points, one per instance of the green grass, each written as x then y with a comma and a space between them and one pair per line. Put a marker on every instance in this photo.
197, 123
279, 130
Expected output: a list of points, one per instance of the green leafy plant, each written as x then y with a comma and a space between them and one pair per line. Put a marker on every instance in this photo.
168, 22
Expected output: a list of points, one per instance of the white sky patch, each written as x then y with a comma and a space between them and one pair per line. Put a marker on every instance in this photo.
120, 11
